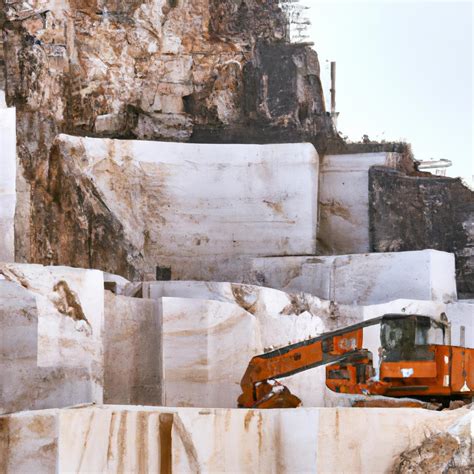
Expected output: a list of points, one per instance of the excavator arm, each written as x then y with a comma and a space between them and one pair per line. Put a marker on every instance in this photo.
259, 389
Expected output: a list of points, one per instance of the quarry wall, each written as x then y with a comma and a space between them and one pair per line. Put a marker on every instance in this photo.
417, 212
344, 200
362, 278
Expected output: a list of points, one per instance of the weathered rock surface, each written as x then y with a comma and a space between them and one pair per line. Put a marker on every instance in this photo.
116, 439
450, 451
418, 212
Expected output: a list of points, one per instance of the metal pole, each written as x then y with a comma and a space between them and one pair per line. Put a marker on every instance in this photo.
333, 88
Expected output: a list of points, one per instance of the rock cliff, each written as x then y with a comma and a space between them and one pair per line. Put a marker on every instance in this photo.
206, 71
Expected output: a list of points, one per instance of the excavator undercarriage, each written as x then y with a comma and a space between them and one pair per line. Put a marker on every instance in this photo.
414, 361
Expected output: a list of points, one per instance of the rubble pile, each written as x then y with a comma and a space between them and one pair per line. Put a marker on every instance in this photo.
174, 200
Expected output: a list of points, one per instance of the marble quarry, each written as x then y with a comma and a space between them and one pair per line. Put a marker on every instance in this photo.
175, 200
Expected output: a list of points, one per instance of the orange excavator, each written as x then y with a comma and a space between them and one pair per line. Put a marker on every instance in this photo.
415, 361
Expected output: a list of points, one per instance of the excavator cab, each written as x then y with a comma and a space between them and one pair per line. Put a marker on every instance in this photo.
410, 337
408, 352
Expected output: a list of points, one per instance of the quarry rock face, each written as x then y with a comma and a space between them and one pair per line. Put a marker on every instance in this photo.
152, 70
362, 278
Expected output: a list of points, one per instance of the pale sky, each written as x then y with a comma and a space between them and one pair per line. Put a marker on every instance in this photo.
404, 71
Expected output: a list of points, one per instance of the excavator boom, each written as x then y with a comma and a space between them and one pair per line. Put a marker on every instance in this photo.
325, 349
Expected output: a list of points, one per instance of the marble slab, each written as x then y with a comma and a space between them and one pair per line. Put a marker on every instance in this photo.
180, 440
362, 278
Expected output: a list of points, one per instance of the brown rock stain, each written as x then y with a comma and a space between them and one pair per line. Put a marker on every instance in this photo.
245, 296
4, 443
275, 206
40, 425
122, 442
260, 431
141, 442
187, 440
111, 433
248, 418
68, 302
165, 442
86, 440
334, 208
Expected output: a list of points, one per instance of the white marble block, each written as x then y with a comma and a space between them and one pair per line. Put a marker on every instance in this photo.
363, 278
7, 183
51, 321
133, 351
344, 201
461, 316
182, 440
206, 348
203, 210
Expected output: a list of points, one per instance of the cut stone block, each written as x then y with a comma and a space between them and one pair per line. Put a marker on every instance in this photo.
202, 210
179, 440
51, 321
7, 183
133, 364
281, 318
364, 278
206, 348
461, 316
344, 201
